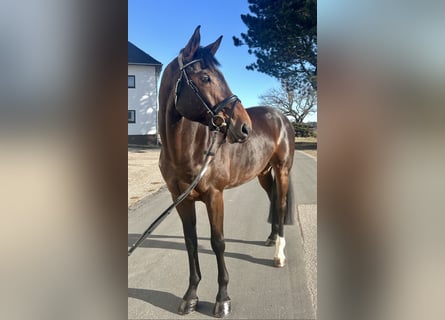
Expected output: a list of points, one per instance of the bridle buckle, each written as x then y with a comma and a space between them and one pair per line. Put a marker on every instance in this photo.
218, 121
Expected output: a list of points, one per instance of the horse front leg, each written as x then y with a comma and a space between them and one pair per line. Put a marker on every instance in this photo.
215, 210
187, 213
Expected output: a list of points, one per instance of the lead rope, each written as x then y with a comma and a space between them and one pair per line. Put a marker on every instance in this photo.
208, 158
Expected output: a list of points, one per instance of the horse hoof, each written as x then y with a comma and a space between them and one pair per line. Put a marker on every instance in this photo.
270, 242
222, 309
187, 306
279, 263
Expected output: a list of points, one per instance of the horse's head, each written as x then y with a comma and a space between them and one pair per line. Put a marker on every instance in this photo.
202, 94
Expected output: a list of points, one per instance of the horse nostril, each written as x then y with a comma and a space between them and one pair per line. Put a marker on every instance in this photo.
245, 129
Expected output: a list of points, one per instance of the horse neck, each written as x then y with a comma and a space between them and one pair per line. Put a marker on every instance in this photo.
186, 142
166, 112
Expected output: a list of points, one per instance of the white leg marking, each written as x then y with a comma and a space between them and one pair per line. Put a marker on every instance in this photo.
279, 250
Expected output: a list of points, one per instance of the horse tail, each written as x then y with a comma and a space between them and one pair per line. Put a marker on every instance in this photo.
289, 217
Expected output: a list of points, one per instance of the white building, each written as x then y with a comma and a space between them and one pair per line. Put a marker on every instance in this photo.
143, 75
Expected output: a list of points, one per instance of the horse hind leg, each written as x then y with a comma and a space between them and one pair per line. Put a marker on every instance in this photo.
187, 213
267, 182
279, 259
283, 210
273, 218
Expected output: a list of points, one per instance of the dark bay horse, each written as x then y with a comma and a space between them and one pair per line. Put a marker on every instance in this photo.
194, 103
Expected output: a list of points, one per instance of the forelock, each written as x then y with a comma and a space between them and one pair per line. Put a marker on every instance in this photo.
208, 60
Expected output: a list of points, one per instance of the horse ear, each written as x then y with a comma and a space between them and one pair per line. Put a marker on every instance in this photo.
213, 47
190, 49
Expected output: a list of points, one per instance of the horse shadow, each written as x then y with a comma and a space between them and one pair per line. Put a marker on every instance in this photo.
167, 301
160, 242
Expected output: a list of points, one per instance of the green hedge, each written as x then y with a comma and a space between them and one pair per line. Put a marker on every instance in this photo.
303, 130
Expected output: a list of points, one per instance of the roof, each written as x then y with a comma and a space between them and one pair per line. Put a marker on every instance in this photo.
137, 56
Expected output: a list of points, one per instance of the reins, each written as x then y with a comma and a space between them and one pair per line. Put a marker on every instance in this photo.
208, 158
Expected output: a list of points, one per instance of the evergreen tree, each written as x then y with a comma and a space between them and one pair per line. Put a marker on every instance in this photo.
282, 34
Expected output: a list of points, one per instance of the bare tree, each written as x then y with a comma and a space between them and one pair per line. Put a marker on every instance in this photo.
296, 103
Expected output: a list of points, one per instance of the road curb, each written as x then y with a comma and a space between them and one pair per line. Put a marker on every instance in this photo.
307, 220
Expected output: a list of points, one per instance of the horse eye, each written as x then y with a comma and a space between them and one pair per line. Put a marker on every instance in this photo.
205, 78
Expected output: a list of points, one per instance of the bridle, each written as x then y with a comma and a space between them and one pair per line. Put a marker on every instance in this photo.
216, 121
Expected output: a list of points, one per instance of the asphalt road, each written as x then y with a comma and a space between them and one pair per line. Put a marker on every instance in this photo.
158, 269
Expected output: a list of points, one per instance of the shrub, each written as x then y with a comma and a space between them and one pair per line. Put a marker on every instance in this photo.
303, 130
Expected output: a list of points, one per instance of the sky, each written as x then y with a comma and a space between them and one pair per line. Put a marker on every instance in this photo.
163, 28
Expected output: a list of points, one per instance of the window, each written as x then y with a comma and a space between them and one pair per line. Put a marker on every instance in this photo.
131, 81
131, 116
